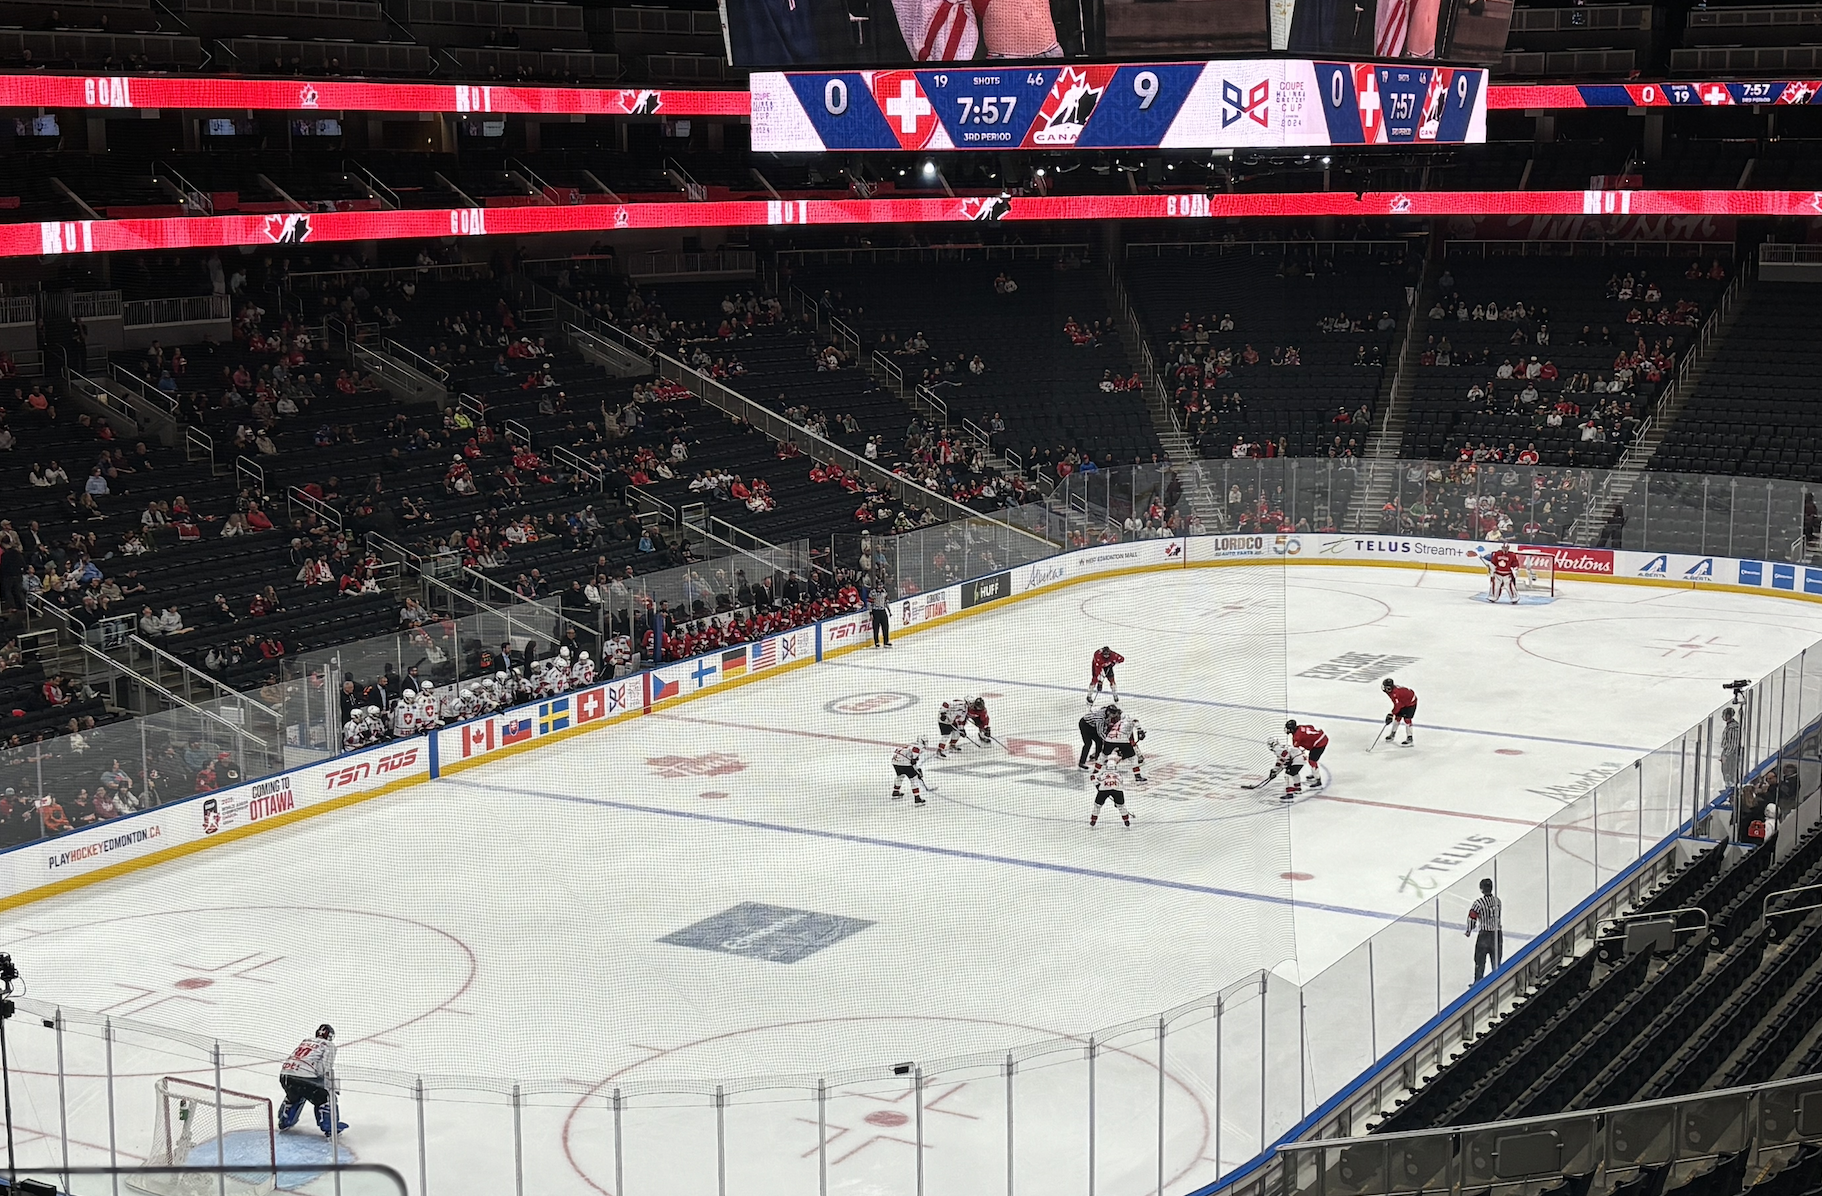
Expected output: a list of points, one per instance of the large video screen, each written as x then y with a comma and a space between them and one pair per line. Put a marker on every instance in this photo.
1170, 105
886, 33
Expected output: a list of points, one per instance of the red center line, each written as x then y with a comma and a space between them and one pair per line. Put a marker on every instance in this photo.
886, 743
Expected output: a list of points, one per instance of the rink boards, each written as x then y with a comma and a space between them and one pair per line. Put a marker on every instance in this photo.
35, 871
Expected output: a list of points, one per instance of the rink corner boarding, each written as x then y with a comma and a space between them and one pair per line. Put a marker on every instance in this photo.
36, 871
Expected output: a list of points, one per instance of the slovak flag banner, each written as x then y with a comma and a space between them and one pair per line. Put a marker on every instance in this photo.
519, 730
477, 737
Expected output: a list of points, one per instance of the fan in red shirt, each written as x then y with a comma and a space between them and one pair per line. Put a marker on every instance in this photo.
1404, 709
1503, 563
1101, 668
1314, 741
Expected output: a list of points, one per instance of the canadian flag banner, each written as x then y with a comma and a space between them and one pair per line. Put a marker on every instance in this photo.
477, 737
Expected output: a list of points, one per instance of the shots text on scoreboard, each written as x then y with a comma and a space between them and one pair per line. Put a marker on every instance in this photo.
1178, 105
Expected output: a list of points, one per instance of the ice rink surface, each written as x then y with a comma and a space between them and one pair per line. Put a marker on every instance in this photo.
725, 889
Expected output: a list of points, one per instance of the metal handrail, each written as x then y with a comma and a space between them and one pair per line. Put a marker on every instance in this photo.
138, 385
198, 443
222, 689
891, 371
569, 459
417, 360
516, 433
177, 702
251, 472
316, 506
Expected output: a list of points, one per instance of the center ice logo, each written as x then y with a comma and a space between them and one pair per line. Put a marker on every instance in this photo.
773, 933
714, 764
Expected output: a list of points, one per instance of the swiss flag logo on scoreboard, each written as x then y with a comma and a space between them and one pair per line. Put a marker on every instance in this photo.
1366, 95
908, 111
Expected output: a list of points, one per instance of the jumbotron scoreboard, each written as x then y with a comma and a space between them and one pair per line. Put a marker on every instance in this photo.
1284, 103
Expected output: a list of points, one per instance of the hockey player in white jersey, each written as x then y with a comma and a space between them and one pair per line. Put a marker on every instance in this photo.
907, 765
1123, 736
1107, 786
406, 716
1289, 760
449, 705
951, 717
430, 707
306, 1077
582, 673
354, 731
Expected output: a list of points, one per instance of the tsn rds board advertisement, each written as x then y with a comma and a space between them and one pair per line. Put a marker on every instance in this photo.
1180, 105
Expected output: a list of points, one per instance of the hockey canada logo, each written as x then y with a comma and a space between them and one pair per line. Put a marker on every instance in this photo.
307, 97
1251, 105
641, 103
211, 816
1401, 205
1173, 550
287, 228
714, 764
988, 208
1067, 107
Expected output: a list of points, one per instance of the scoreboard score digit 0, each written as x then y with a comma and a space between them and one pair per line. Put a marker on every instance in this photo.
1181, 105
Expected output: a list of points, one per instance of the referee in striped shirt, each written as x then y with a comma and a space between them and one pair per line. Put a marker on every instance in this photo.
1483, 916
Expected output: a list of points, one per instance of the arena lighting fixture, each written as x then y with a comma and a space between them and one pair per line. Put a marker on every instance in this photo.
57, 237
929, 169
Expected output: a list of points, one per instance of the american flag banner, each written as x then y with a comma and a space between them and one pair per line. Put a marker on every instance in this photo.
765, 654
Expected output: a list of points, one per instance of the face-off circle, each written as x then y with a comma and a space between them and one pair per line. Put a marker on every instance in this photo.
882, 702
869, 1123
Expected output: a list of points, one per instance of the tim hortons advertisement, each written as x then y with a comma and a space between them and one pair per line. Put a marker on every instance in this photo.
1570, 559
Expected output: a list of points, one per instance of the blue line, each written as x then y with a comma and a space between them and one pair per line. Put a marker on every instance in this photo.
951, 852
1344, 718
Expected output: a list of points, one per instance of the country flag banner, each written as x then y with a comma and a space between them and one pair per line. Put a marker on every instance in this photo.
663, 687
591, 704
765, 654
734, 663
553, 716
519, 730
477, 738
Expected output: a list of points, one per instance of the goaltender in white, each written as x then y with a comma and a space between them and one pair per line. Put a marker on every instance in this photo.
306, 1076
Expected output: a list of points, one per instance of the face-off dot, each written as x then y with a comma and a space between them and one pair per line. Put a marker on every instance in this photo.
194, 982
1296, 876
886, 1118
1508, 751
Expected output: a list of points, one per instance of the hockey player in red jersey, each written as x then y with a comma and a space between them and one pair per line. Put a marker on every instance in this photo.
1101, 668
1504, 579
977, 714
1404, 709
1313, 741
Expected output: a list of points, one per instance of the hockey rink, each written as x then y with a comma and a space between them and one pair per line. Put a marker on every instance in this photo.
724, 891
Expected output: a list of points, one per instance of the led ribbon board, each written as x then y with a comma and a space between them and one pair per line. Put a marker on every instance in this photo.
1180, 105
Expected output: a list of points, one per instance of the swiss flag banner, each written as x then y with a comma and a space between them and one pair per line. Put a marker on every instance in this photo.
591, 704
909, 112
477, 738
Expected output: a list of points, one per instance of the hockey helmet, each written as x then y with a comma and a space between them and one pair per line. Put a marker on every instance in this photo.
426, 687
1290, 725
923, 741
410, 693
1388, 685
326, 1031
564, 653
1105, 650
1113, 711
373, 711
1275, 742
977, 703
583, 656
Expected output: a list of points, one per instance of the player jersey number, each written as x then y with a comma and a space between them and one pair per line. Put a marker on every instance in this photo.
1145, 86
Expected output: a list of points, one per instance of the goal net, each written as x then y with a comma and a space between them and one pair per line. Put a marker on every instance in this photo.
204, 1126
1537, 573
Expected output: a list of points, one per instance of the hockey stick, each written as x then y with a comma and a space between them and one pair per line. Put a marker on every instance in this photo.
1262, 782
927, 783
1375, 742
